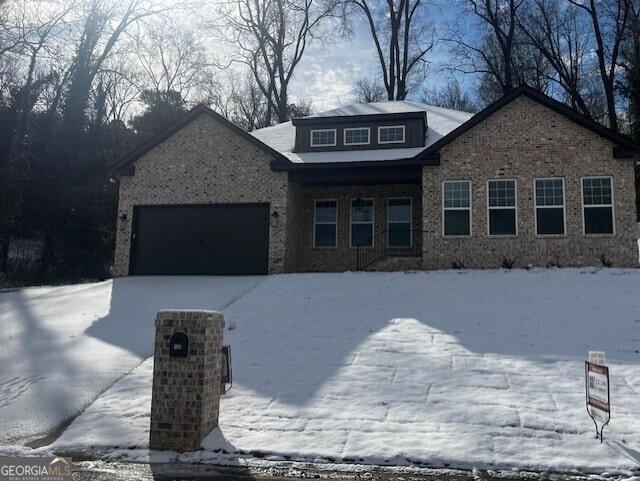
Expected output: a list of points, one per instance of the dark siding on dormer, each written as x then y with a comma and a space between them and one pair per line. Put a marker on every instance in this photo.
414, 134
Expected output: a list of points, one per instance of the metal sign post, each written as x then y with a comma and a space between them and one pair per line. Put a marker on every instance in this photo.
597, 390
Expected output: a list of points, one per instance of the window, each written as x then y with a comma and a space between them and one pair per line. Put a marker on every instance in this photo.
326, 137
549, 195
391, 135
356, 136
456, 203
325, 231
501, 197
597, 202
362, 223
399, 222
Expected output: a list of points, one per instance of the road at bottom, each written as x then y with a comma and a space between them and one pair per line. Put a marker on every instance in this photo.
102, 471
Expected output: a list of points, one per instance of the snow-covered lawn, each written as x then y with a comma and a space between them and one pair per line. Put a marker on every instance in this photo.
60, 347
464, 369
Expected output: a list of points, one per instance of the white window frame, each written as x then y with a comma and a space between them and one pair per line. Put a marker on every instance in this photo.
344, 136
315, 206
392, 141
335, 137
514, 207
612, 205
373, 223
444, 209
536, 207
392, 222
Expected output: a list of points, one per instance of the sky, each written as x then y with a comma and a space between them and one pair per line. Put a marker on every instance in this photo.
327, 73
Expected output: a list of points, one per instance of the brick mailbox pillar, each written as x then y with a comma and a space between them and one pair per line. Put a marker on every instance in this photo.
187, 370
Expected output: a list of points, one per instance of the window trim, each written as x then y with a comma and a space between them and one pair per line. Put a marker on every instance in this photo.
612, 205
514, 207
373, 222
315, 206
410, 223
335, 137
459, 208
536, 207
349, 129
404, 134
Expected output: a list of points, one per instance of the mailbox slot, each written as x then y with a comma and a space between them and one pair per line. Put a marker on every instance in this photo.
179, 345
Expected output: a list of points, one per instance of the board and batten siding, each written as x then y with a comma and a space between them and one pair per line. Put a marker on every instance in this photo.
414, 135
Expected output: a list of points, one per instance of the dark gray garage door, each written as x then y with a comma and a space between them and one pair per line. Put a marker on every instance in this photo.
216, 239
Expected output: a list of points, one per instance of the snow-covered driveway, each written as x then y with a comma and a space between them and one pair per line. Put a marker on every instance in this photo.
60, 347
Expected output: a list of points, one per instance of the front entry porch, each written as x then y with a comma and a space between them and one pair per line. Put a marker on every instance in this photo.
335, 228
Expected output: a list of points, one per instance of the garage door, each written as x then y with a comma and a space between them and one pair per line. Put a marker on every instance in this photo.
216, 239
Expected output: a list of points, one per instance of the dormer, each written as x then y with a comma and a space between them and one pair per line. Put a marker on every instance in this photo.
360, 132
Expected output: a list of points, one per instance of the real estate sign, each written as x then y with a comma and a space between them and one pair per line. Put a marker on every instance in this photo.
597, 389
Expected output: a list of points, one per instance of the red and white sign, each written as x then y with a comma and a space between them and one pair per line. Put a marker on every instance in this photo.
598, 387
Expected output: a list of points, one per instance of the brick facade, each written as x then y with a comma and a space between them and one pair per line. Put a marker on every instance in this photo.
343, 257
203, 163
206, 162
185, 400
524, 141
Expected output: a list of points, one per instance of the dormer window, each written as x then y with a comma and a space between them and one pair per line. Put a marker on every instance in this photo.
391, 134
357, 136
323, 138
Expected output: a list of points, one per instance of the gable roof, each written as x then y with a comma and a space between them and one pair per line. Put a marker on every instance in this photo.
444, 126
625, 147
124, 165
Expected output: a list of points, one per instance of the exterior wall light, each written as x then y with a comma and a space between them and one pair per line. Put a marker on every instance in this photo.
275, 219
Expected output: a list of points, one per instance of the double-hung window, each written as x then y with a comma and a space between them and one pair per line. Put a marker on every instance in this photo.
549, 195
399, 222
597, 204
357, 136
325, 229
501, 200
456, 204
391, 134
362, 223
323, 138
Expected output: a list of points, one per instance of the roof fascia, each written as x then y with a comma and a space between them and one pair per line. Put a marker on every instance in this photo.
433, 159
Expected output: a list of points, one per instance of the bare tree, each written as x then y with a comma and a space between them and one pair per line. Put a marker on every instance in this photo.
559, 34
101, 25
496, 57
171, 56
630, 54
369, 90
450, 96
402, 39
42, 30
609, 22
495, 49
272, 36
581, 40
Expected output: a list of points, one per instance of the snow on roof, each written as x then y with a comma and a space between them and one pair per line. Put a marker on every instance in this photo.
440, 122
